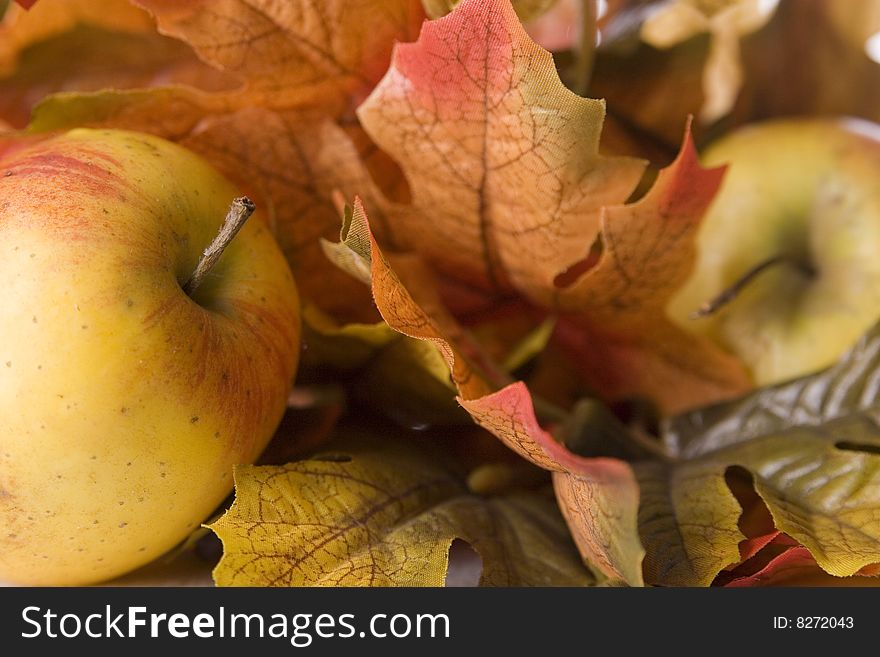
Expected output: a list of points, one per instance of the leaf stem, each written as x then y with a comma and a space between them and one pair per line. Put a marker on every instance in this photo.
240, 210
586, 52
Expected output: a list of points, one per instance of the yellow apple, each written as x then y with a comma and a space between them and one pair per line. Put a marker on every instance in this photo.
802, 198
124, 402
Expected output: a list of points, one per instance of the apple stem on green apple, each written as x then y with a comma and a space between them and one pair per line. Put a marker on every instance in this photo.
730, 293
240, 210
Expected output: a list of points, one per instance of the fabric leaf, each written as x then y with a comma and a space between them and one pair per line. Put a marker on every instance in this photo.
476, 106
292, 51
86, 45
616, 320
813, 449
275, 133
598, 497
381, 512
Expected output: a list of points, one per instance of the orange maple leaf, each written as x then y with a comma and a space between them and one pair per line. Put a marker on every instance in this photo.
598, 497
476, 107
616, 322
502, 159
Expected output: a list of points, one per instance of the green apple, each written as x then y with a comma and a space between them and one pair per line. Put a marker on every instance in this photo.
124, 401
795, 229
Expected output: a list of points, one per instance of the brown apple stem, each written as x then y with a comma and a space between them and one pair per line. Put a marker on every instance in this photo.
729, 294
239, 211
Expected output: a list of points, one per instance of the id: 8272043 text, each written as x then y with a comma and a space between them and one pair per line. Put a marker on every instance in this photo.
813, 622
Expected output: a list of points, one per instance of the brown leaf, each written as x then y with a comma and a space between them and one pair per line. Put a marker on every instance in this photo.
810, 450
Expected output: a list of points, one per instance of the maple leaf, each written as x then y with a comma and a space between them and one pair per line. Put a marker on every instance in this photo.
294, 52
380, 512
616, 322
812, 447
464, 112
597, 496
476, 106
790, 564
66, 45
527, 10
274, 133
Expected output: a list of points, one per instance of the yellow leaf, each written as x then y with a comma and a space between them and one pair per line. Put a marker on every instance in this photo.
812, 447
384, 513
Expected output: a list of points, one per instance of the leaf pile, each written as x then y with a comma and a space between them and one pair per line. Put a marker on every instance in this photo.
489, 372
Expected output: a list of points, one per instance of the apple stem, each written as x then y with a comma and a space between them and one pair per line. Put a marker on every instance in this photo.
726, 296
239, 211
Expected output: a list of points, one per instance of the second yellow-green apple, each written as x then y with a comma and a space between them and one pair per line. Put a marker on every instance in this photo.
796, 229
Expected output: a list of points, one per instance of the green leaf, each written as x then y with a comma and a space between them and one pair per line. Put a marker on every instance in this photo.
850, 386
812, 447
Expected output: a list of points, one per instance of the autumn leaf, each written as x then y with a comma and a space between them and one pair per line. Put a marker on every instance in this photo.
811, 446
465, 114
527, 10
275, 133
476, 106
616, 323
598, 497
790, 564
78, 45
291, 53
381, 512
